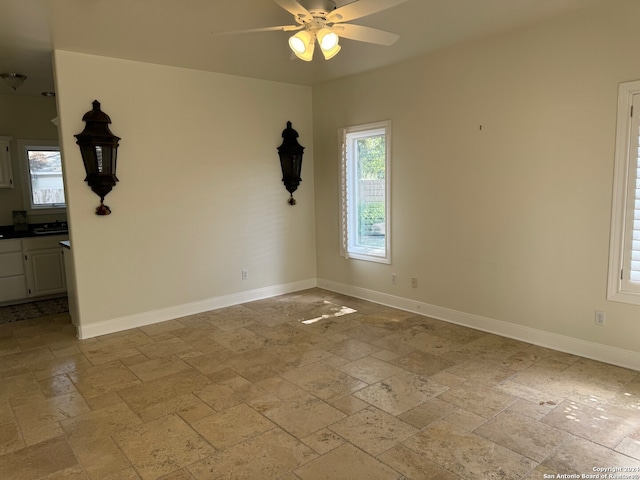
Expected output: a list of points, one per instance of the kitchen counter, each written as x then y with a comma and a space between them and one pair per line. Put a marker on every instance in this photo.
35, 230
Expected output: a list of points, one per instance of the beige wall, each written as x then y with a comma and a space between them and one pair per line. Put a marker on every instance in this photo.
509, 222
23, 117
200, 195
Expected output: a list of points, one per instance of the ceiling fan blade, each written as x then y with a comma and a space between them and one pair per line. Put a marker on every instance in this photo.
281, 28
295, 9
365, 34
360, 8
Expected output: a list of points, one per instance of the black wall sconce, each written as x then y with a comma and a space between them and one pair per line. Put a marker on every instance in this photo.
99, 149
290, 153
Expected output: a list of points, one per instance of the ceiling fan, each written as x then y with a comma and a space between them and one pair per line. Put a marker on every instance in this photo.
320, 20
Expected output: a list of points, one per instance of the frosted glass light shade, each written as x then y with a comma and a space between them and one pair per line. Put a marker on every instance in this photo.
302, 44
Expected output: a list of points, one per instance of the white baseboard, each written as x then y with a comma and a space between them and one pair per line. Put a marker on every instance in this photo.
178, 311
563, 343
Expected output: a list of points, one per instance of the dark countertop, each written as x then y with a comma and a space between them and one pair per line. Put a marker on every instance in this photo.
35, 230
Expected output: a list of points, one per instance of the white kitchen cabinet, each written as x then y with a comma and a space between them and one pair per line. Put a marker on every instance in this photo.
44, 266
6, 172
71, 283
12, 276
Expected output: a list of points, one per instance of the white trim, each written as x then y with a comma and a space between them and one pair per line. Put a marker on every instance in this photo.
23, 145
348, 185
179, 311
617, 288
554, 341
562, 343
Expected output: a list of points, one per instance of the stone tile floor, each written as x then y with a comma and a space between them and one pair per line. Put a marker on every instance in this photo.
298, 387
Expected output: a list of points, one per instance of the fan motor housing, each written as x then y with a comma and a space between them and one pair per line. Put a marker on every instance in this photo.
318, 8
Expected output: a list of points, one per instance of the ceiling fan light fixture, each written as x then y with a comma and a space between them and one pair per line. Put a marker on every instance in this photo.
328, 42
14, 80
328, 55
327, 39
302, 45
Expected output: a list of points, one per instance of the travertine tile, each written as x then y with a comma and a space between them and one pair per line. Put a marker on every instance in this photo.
630, 447
229, 393
346, 462
19, 389
422, 363
231, 426
426, 413
522, 435
594, 424
56, 386
352, 349
163, 348
152, 456
465, 419
239, 340
580, 456
99, 380
267, 456
282, 389
413, 465
162, 327
477, 399
39, 419
155, 392
487, 372
159, 367
348, 404
323, 441
400, 393
212, 361
59, 366
493, 347
424, 342
373, 430
39, 460
323, 381
430, 399
534, 410
10, 439
90, 436
301, 417
369, 369
449, 447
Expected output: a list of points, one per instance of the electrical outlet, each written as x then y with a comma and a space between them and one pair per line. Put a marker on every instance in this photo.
245, 274
394, 278
414, 282
601, 318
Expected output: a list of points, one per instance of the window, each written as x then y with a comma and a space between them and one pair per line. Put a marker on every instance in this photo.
365, 222
43, 168
624, 262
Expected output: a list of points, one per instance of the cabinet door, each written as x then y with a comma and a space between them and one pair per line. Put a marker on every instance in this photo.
12, 288
6, 174
45, 272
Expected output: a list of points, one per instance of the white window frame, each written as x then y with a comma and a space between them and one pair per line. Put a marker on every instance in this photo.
23, 147
620, 287
348, 209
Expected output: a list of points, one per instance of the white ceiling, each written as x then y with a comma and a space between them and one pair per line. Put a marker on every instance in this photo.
186, 33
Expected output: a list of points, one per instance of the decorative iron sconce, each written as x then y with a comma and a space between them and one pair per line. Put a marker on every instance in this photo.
99, 149
290, 153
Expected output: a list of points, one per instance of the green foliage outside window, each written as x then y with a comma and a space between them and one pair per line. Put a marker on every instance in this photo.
371, 158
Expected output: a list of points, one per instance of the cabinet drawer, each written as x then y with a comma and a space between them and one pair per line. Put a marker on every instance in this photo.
12, 288
43, 243
11, 264
10, 246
